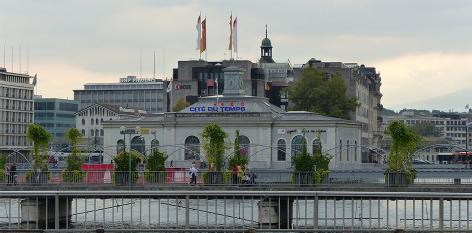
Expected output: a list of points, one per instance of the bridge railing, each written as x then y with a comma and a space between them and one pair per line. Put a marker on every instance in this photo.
205, 178
236, 211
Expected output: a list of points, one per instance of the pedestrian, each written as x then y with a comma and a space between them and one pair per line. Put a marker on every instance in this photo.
234, 174
7, 172
13, 173
193, 174
212, 173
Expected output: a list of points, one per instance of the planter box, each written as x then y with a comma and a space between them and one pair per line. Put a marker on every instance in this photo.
398, 179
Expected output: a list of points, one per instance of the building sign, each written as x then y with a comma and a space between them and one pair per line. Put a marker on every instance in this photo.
220, 107
182, 87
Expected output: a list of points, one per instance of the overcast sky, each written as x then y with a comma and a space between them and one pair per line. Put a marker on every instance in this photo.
423, 49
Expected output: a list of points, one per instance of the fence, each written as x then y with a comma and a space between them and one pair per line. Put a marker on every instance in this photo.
222, 211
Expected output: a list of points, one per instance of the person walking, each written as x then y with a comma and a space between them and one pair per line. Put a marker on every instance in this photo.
13, 173
193, 174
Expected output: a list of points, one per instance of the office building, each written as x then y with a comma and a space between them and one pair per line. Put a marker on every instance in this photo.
16, 112
149, 95
57, 116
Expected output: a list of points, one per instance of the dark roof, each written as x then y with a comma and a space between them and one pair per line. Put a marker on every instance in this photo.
266, 43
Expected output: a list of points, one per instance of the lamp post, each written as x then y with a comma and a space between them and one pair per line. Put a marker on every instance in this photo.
124, 131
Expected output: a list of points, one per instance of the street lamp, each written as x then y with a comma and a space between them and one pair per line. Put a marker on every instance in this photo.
124, 131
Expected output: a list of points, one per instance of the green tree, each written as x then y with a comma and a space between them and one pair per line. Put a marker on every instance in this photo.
426, 129
214, 144
404, 143
155, 167
237, 158
307, 164
180, 104
74, 160
40, 138
316, 93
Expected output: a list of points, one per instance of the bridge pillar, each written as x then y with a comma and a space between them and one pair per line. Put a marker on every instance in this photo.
53, 211
276, 213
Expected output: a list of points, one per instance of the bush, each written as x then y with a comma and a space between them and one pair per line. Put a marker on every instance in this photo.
310, 169
122, 169
155, 167
74, 176
34, 177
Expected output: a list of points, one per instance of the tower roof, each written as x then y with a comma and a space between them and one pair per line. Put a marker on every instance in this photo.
266, 41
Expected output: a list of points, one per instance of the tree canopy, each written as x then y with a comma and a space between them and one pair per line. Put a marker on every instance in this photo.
74, 160
404, 143
426, 129
214, 144
179, 105
324, 96
40, 138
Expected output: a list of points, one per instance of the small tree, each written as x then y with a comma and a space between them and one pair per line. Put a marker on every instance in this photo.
179, 105
404, 143
155, 167
73, 172
214, 144
237, 159
311, 168
3, 160
122, 166
40, 138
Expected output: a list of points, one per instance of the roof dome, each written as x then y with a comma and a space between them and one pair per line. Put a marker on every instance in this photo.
266, 43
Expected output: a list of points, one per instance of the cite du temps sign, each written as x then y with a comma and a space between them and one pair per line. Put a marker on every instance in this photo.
221, 107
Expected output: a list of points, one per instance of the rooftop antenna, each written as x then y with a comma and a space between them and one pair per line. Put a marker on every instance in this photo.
27, 60
141, 63
154, 63
12, 59
19, 57
266, 30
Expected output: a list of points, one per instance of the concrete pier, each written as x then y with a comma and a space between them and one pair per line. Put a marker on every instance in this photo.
53, 212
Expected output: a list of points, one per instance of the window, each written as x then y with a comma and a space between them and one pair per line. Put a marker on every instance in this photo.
92, 132
101, 132
347, 150
192, 148
297, 145
120, 146
137, 144
355, 150
83, 132
83, 121
244, 145
96, 121
91, 121
340, 150
281, 150
316, 146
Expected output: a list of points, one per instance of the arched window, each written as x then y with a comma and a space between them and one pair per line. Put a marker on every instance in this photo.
101, 121
91, 121
192, 148
281, 150
154, 145
297, 145
92, 132
347, 150
101, 132
120, 146
244, 145
96, 121
316, 146
137, 144
355, 150
83, 121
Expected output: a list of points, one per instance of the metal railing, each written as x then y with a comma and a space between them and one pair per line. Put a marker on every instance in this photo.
251, 178
235, 211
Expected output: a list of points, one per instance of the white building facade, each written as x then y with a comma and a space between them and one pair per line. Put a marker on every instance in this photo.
270, 137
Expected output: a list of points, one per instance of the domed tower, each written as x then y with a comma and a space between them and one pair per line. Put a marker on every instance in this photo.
266, 50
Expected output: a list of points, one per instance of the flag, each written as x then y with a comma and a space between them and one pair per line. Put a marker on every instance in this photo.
230, 47
210, 82
199, 32
35, 79
235, 35
203, 44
